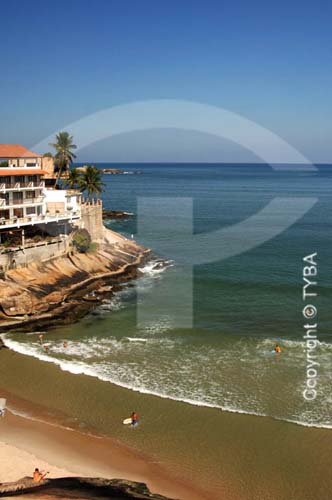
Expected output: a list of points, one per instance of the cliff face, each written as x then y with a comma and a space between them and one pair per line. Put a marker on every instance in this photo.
44, 291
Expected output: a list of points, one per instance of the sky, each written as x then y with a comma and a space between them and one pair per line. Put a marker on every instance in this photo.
269, 62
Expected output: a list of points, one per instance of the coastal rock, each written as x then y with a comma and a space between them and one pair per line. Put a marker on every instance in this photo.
52, 291
112, 171
116, 214
79, 488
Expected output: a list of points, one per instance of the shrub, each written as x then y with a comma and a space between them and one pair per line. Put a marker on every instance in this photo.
82, 240
93, 247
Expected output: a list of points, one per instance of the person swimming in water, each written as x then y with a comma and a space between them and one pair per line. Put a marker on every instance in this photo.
277, 349
134, 418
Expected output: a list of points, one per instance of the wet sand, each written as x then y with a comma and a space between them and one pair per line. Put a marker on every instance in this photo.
220, 454
26, 444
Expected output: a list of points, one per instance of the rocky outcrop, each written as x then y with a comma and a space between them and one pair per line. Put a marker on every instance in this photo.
116, 214
112, 171
79, 488
53, 291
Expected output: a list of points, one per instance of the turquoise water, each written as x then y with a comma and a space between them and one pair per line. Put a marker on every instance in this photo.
242, 306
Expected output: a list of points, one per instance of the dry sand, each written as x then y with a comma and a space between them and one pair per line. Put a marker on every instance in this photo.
26, 444
16, 463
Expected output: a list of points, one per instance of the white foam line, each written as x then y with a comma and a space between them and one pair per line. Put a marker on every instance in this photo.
136, 339
77, 370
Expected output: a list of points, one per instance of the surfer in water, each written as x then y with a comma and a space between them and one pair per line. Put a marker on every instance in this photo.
134, 418
277, 349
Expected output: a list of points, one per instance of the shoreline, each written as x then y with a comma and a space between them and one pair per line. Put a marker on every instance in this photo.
223, 455
67, 452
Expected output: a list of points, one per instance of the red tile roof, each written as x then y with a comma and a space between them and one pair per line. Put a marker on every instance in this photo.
16, 151
21, 171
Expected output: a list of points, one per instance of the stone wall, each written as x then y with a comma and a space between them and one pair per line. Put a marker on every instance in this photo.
92, 219
38, 253
48, 165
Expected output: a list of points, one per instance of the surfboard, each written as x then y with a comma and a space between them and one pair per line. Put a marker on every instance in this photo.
127, 421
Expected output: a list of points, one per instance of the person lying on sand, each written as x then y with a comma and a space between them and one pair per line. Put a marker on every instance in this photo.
38, 475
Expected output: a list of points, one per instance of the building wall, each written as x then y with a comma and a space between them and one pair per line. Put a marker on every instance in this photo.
42, 252
61, 200
31, 197
92, 220
47, 164
21, 162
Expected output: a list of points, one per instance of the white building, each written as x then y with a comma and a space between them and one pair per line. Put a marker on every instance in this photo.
24, 200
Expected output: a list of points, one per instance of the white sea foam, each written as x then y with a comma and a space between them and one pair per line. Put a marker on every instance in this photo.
111, 372
156, 266
136, 339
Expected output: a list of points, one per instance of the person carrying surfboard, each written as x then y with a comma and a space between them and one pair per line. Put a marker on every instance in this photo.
134, 418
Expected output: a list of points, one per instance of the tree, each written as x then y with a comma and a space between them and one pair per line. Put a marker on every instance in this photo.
82, 240
64, 155
47, 155
74, 178
91, 182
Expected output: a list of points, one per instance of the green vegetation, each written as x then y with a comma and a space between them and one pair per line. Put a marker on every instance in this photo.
64, 155
82, 240
47, 155
90, 181
3, 164
74, 178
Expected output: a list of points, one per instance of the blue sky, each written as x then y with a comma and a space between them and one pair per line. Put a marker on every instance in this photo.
267, 61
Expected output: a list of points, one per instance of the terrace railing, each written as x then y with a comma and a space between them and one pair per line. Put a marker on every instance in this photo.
21, 185
35, 219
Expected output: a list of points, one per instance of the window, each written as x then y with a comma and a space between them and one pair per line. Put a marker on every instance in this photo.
30, 194
4, 214
30, 210
18, 212
18, 197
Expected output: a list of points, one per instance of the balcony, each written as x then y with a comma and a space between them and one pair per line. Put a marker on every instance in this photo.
21, 186
19, 203
26, 165
31, 220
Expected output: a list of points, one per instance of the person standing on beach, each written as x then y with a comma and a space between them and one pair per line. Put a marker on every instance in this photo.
134, 418
41, 336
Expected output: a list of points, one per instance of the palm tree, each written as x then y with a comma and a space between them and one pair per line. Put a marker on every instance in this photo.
90, 181
64, 155
74, 178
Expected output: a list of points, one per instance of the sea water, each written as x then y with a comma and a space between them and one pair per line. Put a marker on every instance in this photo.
242, 305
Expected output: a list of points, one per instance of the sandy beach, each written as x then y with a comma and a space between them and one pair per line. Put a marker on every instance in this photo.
180, 451
16, 463
27, 443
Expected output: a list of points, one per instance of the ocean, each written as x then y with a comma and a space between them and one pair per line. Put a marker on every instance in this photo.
214, 350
